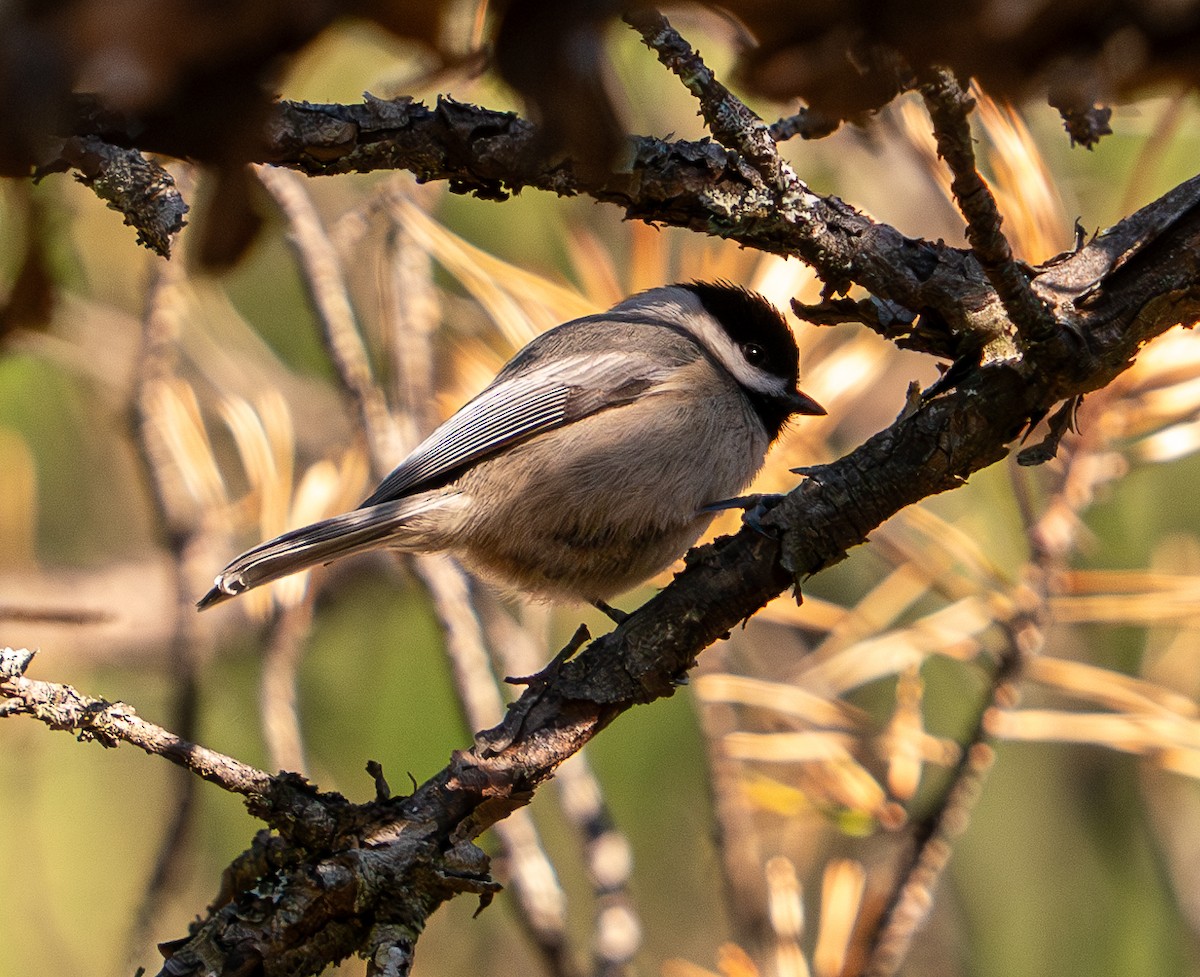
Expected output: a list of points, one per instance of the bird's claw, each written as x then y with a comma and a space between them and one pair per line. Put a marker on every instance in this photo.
753, 507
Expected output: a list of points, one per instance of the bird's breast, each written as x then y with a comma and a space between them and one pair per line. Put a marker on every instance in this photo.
594, 508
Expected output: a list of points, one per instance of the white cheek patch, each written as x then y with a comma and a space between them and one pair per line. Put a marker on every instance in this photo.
717, 341
683, 308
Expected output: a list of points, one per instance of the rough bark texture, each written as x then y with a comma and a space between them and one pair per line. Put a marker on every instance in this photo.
340, 878
350, 878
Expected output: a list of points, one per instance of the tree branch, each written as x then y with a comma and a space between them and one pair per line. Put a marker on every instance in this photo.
138, 188
109, 723
701, 186
728, 118
949, 106
391, 863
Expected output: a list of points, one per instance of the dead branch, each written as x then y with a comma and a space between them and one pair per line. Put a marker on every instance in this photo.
110, 723
364, 878
134, 186
411, 854
949, 107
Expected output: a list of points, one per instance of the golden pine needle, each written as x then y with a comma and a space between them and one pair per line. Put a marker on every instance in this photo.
814, 614
805, 746
1114, 690
1034, 218
952, 632
176, 425
842, 887
885, 602
1138, 734
789, 700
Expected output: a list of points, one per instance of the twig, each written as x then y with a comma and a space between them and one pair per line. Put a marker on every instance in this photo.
154, 366
412, 313
111, 723
936, 836
606, 850
411, 309
277, 689
331, 302
738, 843
322, 274
609, 860
539, 896
949, 107
1026, 638
728, 118
78, 616
806, 124
136, 187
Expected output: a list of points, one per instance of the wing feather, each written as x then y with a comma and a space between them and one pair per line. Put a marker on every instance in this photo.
516, 406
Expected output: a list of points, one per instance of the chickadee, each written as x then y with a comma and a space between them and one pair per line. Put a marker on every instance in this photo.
594, 459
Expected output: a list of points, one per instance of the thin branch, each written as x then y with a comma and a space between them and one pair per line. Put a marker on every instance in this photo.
413, 312
738, 843
322, 275
937, 835
110, 723
413, 315
539, 896
607, 853
949, 107
728, 118
1025, 633
155, 365
806, 124
609, 860
137, 188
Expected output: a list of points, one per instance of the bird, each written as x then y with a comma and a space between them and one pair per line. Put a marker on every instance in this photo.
597, 456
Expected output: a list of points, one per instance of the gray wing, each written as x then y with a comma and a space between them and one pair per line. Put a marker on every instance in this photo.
524, 400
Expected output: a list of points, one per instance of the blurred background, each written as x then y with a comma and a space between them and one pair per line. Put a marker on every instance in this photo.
155, 421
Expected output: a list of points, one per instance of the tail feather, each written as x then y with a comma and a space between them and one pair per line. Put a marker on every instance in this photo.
322, 542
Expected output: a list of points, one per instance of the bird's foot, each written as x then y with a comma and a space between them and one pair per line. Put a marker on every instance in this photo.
753, 507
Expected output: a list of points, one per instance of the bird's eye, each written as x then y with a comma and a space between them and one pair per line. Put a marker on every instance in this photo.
755, 355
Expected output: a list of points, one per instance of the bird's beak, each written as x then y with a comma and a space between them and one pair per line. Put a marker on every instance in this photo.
802, 403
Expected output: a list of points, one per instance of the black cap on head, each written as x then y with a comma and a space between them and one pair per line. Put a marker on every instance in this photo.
750, 320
